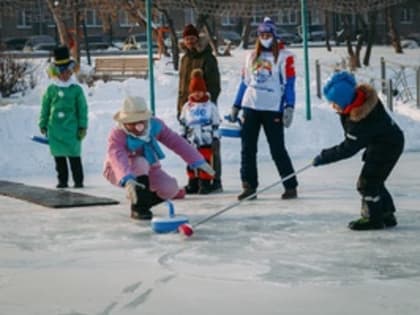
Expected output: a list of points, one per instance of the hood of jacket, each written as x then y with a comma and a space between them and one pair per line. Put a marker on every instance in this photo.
368, 105
201, 46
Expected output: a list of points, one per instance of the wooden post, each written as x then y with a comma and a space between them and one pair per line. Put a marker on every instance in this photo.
389, 95
418, 86
318, 78
383, 75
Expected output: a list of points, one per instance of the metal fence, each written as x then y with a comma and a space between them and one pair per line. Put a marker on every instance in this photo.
396, 81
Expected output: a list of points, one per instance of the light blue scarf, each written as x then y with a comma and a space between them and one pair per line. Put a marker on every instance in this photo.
151, 149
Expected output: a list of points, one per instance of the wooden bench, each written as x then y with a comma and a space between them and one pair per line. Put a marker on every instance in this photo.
120, 68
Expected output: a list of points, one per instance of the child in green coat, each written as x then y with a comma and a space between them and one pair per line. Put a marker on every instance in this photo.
64, 119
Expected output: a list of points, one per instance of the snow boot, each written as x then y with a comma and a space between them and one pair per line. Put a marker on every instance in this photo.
388, 208
146, 200
290, 193
217, 186
62, 185
192, 187
390, 220
139, 213
205, 187
247, 191
372, 215
364, 224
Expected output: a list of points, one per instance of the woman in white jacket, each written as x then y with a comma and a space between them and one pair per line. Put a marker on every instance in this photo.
267, 97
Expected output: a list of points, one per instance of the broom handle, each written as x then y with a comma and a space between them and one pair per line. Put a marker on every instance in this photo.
237, 203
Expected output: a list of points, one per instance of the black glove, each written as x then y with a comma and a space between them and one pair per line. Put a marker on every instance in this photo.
317, 161
81, 133
233, 116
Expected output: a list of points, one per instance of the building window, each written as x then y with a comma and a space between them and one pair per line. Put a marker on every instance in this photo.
49, 20
92, 19
287, 17
124, 19
189, 16
316, 17
406, 16
23, 19
380, 19
228, 20
256, 20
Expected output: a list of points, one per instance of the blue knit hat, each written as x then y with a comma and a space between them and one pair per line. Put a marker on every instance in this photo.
341, 89
267, 26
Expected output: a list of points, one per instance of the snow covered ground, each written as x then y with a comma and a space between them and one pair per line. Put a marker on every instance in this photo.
264, 257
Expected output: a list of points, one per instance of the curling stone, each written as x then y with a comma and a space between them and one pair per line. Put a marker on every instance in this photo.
230, 129
170, 224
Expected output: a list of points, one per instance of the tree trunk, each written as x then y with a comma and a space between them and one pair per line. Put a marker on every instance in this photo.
371, 37
174, 39
203, 24
360, 39
395, 36
61, 27
75, 51
347, 35
327, 30
246, 30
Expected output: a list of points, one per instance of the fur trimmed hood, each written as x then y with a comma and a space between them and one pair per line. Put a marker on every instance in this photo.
202, 44
369, 104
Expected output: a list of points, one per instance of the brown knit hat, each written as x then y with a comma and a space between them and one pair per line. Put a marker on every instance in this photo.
190, 30
197, 82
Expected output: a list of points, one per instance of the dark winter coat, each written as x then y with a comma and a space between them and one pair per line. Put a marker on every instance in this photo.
203, 58
367, 127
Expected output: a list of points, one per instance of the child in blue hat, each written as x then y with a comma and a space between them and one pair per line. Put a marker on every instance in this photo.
367, 126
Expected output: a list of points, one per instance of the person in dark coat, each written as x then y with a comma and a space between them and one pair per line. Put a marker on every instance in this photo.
366, 126
198, 54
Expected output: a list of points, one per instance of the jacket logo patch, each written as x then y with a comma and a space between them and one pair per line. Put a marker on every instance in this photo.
262, 70
351, 137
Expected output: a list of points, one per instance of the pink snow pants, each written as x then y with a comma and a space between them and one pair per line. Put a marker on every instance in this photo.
165, 186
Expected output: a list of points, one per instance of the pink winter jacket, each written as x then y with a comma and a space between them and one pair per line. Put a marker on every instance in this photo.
120, 162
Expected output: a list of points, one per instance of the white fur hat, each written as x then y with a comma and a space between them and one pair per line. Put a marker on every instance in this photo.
134, 109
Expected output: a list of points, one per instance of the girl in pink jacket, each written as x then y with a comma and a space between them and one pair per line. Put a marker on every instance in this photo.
133, 155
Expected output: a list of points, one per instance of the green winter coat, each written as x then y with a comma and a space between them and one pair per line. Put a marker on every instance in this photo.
63, 113
203, 58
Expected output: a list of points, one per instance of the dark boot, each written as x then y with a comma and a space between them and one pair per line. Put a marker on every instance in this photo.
62, 171
364, 224
192, 187
290, 193
389, 208
390, 220
77, 171
372, 216
140, 213
217, 186
205, 187
247, 191
146, 200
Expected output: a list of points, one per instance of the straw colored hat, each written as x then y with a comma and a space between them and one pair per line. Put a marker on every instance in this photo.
134, 109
